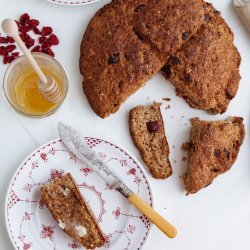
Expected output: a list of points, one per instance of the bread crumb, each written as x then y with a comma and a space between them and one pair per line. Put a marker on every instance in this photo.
184, 158
168, 107
166, 99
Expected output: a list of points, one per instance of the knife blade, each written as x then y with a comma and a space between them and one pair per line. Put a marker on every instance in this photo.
73, 140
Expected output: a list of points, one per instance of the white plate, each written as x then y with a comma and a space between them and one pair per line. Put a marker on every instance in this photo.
72, 2
30, 224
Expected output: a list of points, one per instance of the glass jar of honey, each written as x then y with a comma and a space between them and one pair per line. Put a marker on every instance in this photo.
21, 85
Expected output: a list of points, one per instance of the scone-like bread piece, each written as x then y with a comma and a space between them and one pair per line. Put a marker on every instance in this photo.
167, 24
116, 60
69, 208
205, 70
214, 147
147, 131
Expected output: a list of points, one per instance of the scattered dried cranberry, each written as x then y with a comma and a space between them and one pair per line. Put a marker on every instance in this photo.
25, 25
48, 51
33, 23
53, 39
153, 126
36, 49
3, 40
11, 58
30, 43
24, 19
42, 39
36, 31
15, 54
114, 58
46, 44
10, 48
24, 29
3, 51
5, 59
46, 31
10, 39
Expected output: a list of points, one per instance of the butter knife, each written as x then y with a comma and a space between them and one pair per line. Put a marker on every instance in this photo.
73, 140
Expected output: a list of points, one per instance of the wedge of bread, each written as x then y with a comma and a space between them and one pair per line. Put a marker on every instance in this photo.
69, 208
147, 131
214, 147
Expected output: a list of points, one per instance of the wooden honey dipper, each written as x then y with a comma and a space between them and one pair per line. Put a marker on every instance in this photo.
47, 85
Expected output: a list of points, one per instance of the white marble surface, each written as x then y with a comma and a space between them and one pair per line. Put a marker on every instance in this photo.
215, 218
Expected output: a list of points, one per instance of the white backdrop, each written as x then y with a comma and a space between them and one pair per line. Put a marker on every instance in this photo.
217, 217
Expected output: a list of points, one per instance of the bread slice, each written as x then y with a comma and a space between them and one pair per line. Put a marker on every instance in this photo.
147, 131
214, 147
69, 208
205, 71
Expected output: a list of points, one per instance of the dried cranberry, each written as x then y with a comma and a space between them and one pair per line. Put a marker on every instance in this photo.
3, 51
11, 58
36, 30
175, 60
207, 18
42, 39
114, 58
10, 39
24, 18
48, 51
10, 48
33, 23
36, 49
15, 54
5, 59
53, 39
3, 40
216, 153
24, 29
46, 44
185, 36
30, 43
46, 31
153, 126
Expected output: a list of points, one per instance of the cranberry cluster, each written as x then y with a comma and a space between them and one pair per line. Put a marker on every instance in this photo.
25, 24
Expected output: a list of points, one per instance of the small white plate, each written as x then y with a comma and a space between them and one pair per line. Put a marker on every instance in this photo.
72, 2
30, 224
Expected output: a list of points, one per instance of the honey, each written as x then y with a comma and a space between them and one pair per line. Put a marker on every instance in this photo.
21, 85
27, 96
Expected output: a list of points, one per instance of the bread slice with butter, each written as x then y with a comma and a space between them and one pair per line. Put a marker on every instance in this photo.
69, 208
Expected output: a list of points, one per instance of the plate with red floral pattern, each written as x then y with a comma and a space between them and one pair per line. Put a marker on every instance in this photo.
29, 222
73, 2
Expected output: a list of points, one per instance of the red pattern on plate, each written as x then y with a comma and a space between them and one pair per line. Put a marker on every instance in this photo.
108, 204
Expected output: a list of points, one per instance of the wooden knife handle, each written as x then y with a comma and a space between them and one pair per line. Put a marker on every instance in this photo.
153, 216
